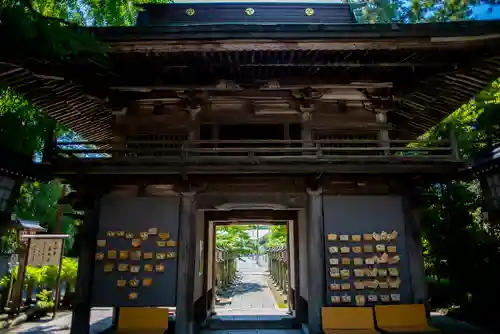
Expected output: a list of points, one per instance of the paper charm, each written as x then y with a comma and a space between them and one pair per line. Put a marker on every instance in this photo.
345, 273
359, 285
367, 237
382, 272
356, 237
134, 283
147, 282
160, 256
380, 248
161, 243
356, 249
370, 260
371, 284
129, 235
135, 255
346, 299
148, 255
110, 233
334, 272
112, 254
123, 255
360, 300
385, 298
383, 236
99, 256
120, 233
332, 237
344, 249
333, 249
368, 248
383, 285
121, 283
148, 267
135, 269
383, 259
394, 284
345, 286
391, 249
144, 235
395, 297
372, 298
133, 295
359, 272
109, 267
171, 243
393, 272
394, 259
394, 235
346, 260
164, 236
101, 243
123, 267
344, 237
335, 299
159, 268
334, 261
136, 242
376, 236
153, 231
334, 286
358, 261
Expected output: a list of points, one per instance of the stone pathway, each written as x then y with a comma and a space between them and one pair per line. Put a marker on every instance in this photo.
100, 320
250, 293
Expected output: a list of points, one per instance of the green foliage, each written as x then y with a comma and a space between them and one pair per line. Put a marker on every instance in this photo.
45, 299
39, 202
413, 11
277, 237
236, 239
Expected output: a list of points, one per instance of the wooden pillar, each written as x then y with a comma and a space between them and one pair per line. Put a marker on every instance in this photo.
194, 125
455, 153
186, 265
414, 249
80, 321
316, 259
306, 133
383, 134
50, 143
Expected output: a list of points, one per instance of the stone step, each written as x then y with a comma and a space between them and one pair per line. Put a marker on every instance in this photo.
250, 324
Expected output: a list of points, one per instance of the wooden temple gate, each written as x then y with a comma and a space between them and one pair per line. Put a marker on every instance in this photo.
187, 125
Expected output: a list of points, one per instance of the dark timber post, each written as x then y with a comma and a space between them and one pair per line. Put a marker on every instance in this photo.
316, 259
80, 322
187, 264
414, 248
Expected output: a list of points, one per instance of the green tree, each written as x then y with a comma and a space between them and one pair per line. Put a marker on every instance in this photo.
414, 11
235, 238
277, 237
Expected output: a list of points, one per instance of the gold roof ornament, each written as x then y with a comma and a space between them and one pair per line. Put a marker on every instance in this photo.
190, 12
309, 11
249, 11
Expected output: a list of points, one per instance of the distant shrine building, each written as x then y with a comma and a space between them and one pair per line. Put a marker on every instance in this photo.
289, 112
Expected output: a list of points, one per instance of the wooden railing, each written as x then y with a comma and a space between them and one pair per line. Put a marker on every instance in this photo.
260, 150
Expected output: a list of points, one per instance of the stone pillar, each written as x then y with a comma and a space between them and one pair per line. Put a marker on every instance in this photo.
316, 259
80, 321
186, 265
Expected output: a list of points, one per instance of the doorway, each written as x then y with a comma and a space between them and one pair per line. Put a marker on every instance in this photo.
252, 261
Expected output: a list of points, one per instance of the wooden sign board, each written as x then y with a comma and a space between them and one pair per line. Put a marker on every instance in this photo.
45, 252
